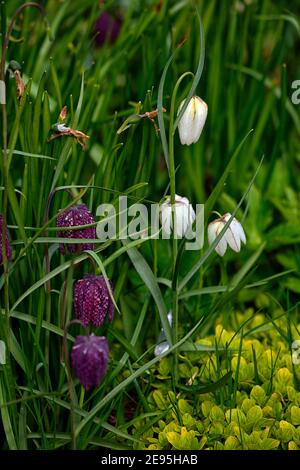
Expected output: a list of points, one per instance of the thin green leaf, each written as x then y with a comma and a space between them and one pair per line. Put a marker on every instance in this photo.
209, 387
149, 279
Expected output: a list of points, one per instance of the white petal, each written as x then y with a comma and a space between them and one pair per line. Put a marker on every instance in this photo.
222, 245
62, 128
192, 122
188, 214
211, 232
161, 348
184, 125
241, 232
237, 228
181, 199
226, 216
214, 229
233, 238
200, 115
235, 234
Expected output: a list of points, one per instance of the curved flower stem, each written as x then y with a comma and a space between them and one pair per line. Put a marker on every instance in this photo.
47, 267
11, 27
217, 213
174, 236
72, 393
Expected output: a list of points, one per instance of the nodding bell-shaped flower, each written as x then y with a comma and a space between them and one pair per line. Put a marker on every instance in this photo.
8, 246
232, 237
184, 213
89, 359
192, 121
92, 301
76, 215
162, 343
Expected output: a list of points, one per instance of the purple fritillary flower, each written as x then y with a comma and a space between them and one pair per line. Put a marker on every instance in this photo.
89, 359
76, 215
107, 28
8, 246
92, 301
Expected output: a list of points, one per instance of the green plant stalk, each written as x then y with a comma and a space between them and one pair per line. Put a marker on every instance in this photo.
5, 322
81, 399
71, 387
174, 239
47, 268
5, 325
5, 167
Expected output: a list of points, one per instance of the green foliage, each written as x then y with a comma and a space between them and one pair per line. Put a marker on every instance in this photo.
264, 416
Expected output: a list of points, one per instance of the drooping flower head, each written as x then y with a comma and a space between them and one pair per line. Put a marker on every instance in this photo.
76, 216
107, 28
15, 70
162, 343
92, 301
184, 213
8, 246
192, 121
233, 235
89, 359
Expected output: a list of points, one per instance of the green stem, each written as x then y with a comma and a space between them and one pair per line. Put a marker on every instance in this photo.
5, 321
174, 238
81, 398
72, 392
47, 269
5, 326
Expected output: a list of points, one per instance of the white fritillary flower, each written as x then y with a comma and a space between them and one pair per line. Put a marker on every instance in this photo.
184, 213
192, 121
233, 236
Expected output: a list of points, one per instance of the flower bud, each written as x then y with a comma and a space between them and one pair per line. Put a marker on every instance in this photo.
13, 66
8, 246
76, 215
184, 214
107, 28
192, 121
15, 69
89, 359
233, 235
63, 115
92, 301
